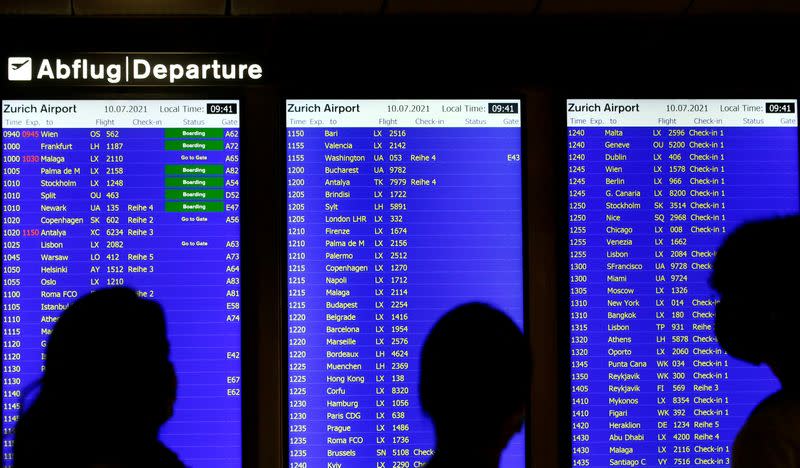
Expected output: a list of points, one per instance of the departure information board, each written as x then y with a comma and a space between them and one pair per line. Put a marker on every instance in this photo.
654, 187
143, 194
397, 212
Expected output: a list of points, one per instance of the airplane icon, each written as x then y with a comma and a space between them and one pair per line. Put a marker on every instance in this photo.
16, 66
20, 69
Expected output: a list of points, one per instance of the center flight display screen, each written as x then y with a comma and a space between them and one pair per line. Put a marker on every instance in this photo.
397, 212
136, 193
654, 188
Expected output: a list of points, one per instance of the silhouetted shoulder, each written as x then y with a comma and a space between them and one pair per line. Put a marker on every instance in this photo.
769, 438
107, 388
159, 457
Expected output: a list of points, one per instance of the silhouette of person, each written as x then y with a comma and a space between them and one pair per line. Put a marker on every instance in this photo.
757, 275
475, 383
107, 388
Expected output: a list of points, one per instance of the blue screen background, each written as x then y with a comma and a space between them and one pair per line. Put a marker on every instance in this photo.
444, 243
649, 384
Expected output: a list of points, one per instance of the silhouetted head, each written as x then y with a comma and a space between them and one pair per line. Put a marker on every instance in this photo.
108, 384
757, 275
475, 378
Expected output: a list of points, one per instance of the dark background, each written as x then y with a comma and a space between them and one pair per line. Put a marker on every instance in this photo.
504, 48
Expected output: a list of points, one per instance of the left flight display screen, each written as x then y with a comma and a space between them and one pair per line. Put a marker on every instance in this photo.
143, 194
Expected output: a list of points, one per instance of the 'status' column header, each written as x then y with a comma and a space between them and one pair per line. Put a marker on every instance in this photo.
197, 113
682, 112
403, 113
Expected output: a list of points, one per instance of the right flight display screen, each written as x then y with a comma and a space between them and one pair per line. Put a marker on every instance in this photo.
654, 188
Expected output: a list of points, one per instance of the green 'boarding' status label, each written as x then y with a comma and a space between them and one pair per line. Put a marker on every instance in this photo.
195, 169
193, 133
193, 145
193, 207
195, 194
195, 182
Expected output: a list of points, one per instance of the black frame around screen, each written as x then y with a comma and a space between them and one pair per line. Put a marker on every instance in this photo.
563, 271
315, 94
248, 332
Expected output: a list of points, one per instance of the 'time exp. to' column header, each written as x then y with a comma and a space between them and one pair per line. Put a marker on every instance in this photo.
682, 112
197, 113
403, 113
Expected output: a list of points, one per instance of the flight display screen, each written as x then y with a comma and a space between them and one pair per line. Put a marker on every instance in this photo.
654, 188
136, 193
397, 211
